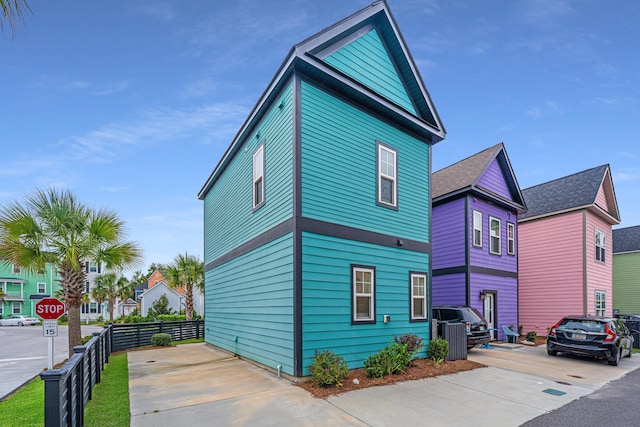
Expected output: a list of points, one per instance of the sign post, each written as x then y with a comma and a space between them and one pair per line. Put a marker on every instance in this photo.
50, 310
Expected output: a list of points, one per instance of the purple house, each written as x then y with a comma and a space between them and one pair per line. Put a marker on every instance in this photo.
475, 250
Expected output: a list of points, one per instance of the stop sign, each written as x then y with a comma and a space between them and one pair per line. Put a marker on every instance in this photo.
50, 308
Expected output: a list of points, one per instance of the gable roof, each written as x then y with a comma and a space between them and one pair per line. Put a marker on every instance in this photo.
626, 239
159, 287
573, 192
465, 175
313, 59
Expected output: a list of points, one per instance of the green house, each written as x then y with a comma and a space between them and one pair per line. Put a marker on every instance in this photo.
20, 289
626, 270
317, 218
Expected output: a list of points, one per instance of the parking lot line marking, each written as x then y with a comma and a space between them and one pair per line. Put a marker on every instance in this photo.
23, 358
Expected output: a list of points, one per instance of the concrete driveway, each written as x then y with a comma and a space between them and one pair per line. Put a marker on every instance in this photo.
195, 384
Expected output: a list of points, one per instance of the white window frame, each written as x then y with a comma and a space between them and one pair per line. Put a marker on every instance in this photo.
511, 238
383, 174
601, 246
601, 303
416, 297
15, 269
93, 308
477, 227
356, 294
13, 307
258, 176
1, 307
44, 287
493, 236
87, 287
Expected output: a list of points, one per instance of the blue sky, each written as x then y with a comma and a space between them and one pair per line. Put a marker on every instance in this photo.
131, 104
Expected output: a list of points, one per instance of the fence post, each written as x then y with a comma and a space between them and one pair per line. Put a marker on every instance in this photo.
54, 386
197, 328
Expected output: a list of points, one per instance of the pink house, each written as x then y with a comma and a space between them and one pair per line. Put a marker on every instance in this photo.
565, 259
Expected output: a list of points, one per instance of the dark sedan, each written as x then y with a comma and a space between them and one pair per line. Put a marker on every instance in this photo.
593, 336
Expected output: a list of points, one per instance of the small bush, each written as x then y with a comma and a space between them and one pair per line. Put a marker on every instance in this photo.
161, 340
328, 369
170, 317
64, 318
413, 342
392, 359
531, 336
438, 350
86, 339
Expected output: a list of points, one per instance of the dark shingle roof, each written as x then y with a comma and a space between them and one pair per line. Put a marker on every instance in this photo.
573, 191
464, 176
626, 239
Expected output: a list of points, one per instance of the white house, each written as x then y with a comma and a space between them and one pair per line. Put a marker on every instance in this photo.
148, 297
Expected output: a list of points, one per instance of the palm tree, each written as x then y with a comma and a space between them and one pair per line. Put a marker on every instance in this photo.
109, 287
52, 226
12, 12
124, 290
186, 271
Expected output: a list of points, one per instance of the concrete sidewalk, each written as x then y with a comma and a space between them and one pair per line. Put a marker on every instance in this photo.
196, 384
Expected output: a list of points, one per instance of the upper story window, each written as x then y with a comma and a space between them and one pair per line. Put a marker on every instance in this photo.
87, 286
418, 296
363, 284
387, 176
42, 287
16, 269
258, 177
495, 236
601, 245
477, 228
511, 238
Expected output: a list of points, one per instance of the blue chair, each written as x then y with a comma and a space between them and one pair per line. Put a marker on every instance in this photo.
511, 335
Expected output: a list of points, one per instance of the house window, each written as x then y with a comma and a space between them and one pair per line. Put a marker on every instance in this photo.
16, 269
418, 296
93, 307
363, 283
601, 245
495, 236
601, 303
1, 308
93, 267
258, 177
42, 287
511, 238
477, 229
387, 176
16, 308
41, 271
85, 308
86, 287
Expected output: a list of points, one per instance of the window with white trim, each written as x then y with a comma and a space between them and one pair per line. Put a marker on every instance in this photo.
363, 283
16, 269
387, 176
418, 296
477, 228
495, 236
16, 308
93, 267
87, 286
1, 308
601, 303
601, 245
42, 287
258, 177
511, 238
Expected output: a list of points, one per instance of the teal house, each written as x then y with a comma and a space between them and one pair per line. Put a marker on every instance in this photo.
20, 289
317, 218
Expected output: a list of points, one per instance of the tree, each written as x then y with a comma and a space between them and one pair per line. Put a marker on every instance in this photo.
109, 287
13, 13
186, 271
161, 306
52, 226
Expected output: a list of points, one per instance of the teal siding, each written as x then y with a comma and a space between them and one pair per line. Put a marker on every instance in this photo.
367, 61
326, 310
229, 219
251, 298
339, 169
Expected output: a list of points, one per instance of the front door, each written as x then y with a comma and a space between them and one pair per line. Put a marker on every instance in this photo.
489, 313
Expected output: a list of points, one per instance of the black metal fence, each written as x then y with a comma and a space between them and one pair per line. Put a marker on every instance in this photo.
68, 389
634, 327
124, 335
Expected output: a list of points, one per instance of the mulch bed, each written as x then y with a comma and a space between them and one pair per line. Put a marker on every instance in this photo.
419, 368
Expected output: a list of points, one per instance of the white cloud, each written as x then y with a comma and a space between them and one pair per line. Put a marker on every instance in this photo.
547, 108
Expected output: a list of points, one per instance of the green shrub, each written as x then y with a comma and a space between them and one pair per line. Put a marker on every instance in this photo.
64, 318
531, 336
413, 342
438, 350
328, 369
161, 340
171, 317
392, 359
86, 339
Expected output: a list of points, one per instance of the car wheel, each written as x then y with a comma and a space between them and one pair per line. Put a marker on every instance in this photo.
552, 352
616, 359
20, 324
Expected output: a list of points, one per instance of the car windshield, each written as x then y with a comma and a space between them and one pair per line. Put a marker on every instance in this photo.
471, 316
583, 325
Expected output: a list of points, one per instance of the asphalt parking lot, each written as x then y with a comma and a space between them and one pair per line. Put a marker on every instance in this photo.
24, 353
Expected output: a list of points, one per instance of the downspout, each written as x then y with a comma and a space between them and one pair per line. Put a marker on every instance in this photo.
467, 249
585, 308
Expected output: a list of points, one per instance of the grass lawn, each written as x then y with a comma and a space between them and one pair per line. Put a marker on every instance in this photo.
25, 407
109, 405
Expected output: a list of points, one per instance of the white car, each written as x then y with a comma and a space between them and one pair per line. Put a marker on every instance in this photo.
18, 320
